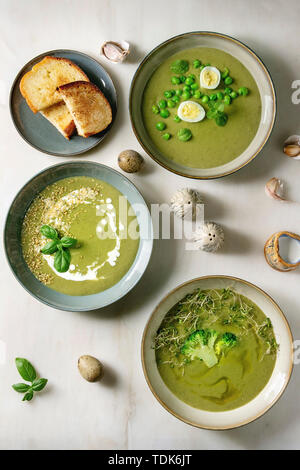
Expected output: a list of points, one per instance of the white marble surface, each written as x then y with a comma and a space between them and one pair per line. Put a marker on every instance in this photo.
121, 413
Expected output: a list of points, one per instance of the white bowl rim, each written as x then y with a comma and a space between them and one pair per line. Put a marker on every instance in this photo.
172, 412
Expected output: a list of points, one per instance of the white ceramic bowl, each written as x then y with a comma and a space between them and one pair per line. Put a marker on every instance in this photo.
263, 401
214, 40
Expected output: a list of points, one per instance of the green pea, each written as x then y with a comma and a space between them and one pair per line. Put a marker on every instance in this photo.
220, 95
160, 126
222, 120
192, 75
164, 113
196, 63
166, 136
162, 104
178, 92
189, 81
205, 99
227, 99
176, 99
168, 93
175, 80
202, 67
194, 86
186, 95
177, 118
225, 73
233, 94
228, 81
186, 88
228, 90
213, 97
197, 94
171, 104
155, 109
182, 78
184, 134
207, 65
244, 91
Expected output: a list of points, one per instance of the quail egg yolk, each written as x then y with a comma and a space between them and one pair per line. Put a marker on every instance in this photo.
190, 111
210, 77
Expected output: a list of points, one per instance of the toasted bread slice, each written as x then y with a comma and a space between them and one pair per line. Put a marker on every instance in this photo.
40, 84
58, 114
88, 106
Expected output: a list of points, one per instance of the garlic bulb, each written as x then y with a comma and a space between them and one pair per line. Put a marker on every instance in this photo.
209, 237
274, 189
292, 147
184, 202
115, 51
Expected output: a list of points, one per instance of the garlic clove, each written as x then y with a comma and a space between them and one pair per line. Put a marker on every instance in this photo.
292, 147
115, 51
274, 189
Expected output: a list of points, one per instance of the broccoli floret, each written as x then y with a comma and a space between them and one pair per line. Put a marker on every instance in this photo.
227, 341
200, 344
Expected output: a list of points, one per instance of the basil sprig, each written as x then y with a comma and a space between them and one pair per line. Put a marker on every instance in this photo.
59, 246
28, 373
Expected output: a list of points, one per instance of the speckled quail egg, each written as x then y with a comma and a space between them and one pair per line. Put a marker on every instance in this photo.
90, 368
190, 111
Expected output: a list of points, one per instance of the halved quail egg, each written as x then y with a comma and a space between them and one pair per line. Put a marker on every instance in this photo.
190, 111
210, 77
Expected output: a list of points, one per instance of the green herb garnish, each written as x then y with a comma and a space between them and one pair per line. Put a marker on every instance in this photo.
28, 373
201, 310
216, 112
59, 246
179, 66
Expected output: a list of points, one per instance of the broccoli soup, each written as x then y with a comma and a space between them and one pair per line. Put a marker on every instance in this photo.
201, 108
80, 236
215, 350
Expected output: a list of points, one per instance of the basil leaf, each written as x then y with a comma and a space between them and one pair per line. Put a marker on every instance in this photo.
49, 232
39, 384
28, 396
26, 370
21, 388
62, 260
49, 248
68, 242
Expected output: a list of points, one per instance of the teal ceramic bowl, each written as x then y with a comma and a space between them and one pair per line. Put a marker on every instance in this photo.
229, 45
38, 131
12, 236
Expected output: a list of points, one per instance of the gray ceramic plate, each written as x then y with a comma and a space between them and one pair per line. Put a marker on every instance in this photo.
12, 235
199, 39
39, 132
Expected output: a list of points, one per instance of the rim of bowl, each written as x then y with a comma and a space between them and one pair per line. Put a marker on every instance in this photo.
172, 412
244, 46
43, 54
45, 302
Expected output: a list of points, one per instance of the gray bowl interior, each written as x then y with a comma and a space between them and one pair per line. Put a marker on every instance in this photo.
12, 236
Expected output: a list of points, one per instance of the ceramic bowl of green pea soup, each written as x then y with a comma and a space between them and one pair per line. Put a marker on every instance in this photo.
202, 104
78, 236
217, 352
